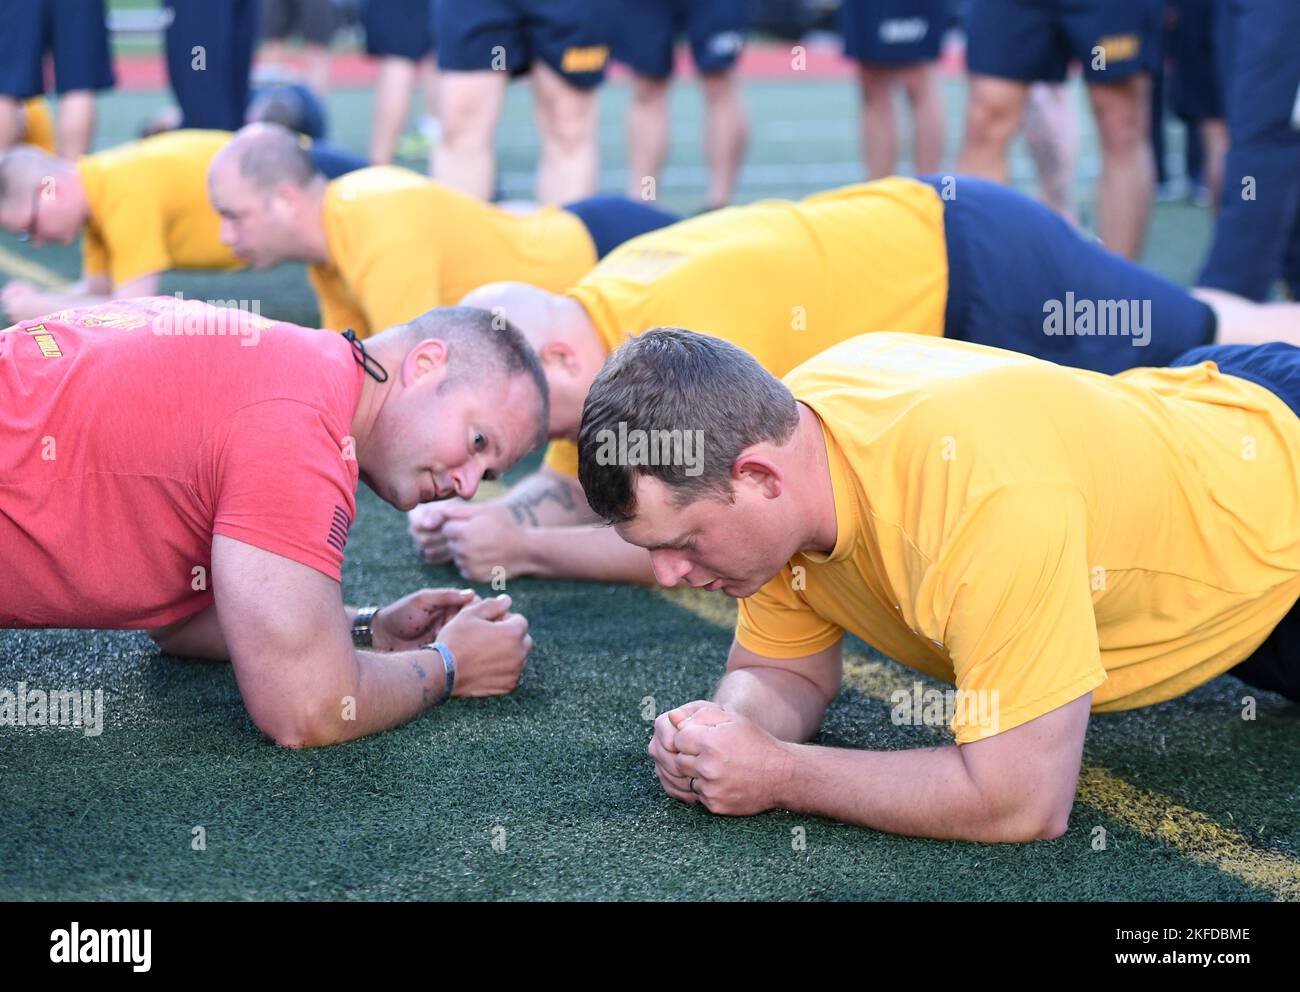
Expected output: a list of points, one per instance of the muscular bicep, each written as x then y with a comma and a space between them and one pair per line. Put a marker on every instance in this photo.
287, 633
1032, 770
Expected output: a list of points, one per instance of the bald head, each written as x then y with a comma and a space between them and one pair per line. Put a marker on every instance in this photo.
41, 196
532, 310
22, 168
268, 194
266, 155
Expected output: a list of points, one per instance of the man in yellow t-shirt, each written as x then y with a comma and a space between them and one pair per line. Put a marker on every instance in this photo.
785, 280
142, 207
1048, 540
385, 244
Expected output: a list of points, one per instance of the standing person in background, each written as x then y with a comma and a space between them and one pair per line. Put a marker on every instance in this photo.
315, 22
896, 44
1051, 134
1257, 237
209, 56
403, 35
1014, 43
75, 33
646, 32
483, 43
1197, 88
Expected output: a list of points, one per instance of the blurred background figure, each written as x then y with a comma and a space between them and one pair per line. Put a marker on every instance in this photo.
75, 34
1014, 43
564, 45
314, 21
1257, 235
209, 57
896, 45
402, 34
1051, 133
1196, 93
645, 34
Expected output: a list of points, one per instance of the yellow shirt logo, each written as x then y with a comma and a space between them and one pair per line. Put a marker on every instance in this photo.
589, 59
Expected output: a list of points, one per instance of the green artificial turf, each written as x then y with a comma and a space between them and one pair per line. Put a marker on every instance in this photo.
558, 769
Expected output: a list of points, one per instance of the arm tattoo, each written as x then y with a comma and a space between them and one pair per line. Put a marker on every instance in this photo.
522, 506
424, 689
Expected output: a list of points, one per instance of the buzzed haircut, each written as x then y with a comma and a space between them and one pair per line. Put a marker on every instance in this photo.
22, 167
480, 343
672, 380
272, 154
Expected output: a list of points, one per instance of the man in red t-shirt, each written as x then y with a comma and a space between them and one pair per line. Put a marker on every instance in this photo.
191, 471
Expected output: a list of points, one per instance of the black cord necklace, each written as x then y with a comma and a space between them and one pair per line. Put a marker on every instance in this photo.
363, 358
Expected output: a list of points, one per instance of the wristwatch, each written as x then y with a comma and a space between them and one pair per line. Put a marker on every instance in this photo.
448, 667
363, 627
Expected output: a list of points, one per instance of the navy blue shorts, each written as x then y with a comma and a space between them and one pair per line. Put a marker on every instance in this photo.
893, 32
1023, 279
209, 54
405, 28
1257, 235
611, 220
573, 37
1035, 40
293, 105
647, 29
1275, 665
1195, 90
333, 161
73, 31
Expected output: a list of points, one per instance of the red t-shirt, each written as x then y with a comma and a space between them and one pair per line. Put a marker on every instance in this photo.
133, 431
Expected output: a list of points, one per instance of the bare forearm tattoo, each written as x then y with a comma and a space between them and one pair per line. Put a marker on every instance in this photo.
522, 506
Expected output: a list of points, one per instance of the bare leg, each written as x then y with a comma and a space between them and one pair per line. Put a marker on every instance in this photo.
878, 121
647, 135
10, 121
727, 134
76, 123
921, 84
993, 112
1243, 321
570, 157
464, 156
1128, 173
1052, 136
392, 106
1214, 137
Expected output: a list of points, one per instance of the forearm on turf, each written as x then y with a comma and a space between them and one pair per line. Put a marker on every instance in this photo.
593, 552
389, 690
546, 499
199, 636
786, 705
919, 793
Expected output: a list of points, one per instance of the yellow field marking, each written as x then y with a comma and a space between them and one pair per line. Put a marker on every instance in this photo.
24, 268
1194, 833
1156, 817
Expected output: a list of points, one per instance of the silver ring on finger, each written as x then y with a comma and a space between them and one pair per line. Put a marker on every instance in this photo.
692, 786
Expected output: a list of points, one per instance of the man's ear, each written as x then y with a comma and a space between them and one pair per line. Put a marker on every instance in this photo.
759, 472
559, 355
428, 358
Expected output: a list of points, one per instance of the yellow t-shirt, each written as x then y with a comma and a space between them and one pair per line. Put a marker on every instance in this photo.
1014, 526
400, 244
38, 124
149, 207
785, 280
